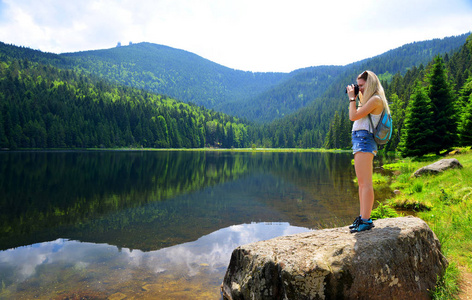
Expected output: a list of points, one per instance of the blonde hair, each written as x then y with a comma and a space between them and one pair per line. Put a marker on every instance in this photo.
372, 87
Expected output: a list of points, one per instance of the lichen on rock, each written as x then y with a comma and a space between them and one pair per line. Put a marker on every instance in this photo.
398, 259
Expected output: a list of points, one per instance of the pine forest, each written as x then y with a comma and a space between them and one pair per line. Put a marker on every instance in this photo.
153, 96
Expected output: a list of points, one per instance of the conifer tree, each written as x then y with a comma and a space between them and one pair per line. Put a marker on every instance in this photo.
417, 134
398, 114
442, 99
332, 136
464, 107
346, 129
3, 137
465, 125
464, 94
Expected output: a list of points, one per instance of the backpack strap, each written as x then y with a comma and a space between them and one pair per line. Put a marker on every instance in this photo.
380, 120
381, 116
371, 124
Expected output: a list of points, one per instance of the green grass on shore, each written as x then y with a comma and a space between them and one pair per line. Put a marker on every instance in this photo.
444, 202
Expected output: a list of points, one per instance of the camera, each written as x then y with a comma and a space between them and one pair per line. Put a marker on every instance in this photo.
356, 89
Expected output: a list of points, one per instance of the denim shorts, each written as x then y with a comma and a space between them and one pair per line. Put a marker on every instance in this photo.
363, 141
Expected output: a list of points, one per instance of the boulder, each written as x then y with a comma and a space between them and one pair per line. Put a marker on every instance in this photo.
439, 166
399, 258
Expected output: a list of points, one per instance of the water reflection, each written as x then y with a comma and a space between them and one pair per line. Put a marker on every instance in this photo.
154, 223
41, 193
100, 196
104, 270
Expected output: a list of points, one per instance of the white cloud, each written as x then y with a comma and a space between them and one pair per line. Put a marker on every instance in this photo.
212, 251
257, 35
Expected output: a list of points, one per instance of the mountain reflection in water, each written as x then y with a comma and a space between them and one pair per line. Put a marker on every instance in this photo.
155, 224
63, 267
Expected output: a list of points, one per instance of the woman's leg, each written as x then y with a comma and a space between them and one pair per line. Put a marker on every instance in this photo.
363, 163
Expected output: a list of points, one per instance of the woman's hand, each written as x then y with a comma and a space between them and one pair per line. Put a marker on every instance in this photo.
350, 91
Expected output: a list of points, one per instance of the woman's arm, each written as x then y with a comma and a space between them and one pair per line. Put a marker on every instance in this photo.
374, 105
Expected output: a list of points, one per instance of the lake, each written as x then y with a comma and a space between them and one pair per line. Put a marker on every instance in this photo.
156, 224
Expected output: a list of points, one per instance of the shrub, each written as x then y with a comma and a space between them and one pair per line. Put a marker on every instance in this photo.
383, 211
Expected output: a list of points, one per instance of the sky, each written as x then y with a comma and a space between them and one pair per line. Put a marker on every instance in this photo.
249, 35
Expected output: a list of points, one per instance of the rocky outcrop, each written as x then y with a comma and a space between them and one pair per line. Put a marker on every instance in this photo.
398, 259
439, 166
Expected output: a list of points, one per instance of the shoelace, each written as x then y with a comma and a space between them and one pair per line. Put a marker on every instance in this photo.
356, 222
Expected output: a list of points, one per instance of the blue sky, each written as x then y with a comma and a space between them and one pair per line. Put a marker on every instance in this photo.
250, 35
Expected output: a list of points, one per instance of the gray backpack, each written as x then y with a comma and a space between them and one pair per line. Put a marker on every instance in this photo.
383, 130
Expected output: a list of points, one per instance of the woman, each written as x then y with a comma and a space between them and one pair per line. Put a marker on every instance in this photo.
371, 101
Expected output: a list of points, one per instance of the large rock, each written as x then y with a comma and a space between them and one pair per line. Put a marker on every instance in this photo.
439, 166
398, 259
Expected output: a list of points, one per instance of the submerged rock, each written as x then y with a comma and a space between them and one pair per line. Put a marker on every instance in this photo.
399, 258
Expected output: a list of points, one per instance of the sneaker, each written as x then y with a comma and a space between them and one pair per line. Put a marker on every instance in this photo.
356, 223
363, 225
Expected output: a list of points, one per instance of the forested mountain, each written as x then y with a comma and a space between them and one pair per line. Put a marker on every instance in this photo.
261, 97
108, 98
309, 126
11, 52
42, 106
173, 72
431, 106
297, 92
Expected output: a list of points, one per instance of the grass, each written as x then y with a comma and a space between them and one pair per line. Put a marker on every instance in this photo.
444, 201
383, 211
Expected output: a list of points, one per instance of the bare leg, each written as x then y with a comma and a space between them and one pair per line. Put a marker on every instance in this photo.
363, 163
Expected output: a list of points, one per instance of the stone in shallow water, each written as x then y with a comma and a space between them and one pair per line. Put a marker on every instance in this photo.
117, 296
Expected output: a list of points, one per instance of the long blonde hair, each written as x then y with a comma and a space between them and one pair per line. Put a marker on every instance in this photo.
372, 87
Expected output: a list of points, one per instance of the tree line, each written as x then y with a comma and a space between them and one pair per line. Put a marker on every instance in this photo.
42, 106
45, 106
431, 107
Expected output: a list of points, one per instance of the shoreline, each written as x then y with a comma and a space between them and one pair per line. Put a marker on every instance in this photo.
444, 202
180, 149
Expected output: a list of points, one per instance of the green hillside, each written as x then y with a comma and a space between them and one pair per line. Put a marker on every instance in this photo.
173, 72
42, 106
313, 85
297, 92
309, 126
261, 97
123, 97
431, 105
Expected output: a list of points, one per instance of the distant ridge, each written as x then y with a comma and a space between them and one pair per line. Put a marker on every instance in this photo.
261, 97
133, 95
256, 96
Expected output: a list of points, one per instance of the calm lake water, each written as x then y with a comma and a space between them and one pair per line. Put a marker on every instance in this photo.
155, 224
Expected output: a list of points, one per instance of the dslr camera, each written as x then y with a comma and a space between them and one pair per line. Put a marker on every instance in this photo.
356, 89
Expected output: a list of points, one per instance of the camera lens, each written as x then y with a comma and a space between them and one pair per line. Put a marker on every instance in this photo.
356, 89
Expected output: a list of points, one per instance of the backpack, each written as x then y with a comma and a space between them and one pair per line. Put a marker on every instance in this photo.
383, 130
